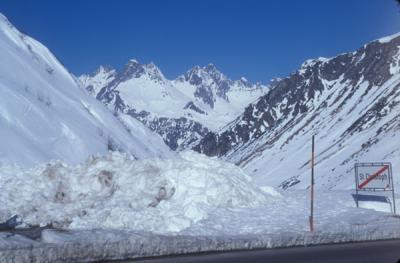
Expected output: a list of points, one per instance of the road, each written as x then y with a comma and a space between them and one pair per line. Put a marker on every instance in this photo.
366, 252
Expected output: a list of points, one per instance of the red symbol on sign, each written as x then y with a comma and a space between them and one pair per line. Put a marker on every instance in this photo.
369, 179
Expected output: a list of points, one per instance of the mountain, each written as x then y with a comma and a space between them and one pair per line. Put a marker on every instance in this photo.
45, 113
349, 102
220, 98
102, 77
183, 110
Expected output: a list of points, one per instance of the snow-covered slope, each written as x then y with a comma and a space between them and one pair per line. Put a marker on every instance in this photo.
182, 111
350, 102
45, 114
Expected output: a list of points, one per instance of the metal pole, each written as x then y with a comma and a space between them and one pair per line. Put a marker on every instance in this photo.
356, 171
394, 198
312, 187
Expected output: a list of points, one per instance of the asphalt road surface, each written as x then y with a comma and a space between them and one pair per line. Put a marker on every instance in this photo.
366, 252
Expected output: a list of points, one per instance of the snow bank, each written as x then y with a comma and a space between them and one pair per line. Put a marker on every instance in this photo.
116, 191
97, 245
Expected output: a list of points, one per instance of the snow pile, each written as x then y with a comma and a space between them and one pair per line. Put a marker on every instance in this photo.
115, 191
163, 207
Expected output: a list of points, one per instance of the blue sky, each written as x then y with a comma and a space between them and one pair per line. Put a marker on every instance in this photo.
255, 39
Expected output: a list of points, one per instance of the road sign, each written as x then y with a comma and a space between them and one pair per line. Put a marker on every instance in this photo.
374, 177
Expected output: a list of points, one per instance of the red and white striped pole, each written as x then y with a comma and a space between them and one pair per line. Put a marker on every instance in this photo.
312, 187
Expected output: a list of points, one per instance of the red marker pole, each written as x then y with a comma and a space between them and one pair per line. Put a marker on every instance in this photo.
312, 187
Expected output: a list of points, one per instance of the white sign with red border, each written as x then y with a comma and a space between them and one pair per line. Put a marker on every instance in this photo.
375, 177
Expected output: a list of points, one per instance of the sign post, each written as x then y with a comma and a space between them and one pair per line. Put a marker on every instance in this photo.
374, 177
312, 187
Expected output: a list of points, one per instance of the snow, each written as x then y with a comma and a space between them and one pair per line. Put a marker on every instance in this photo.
116, 207
270, 190
191, 195
45, 114
104, 75
281, 223
310, 62
388, 38
145, 94
194, 195
149, 201
287, 159
116, 191
335, 211
224, 110
84, 246
150, 91
395, 65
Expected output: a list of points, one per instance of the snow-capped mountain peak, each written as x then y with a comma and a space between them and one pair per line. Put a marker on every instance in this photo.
210, 85
105, 69
213, 71
203, 75
310, 63
182, 110
244, 82
101, 77
134, 69
154, 72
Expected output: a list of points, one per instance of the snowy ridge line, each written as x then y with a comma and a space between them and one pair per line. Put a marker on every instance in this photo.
95, 245
45, 115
